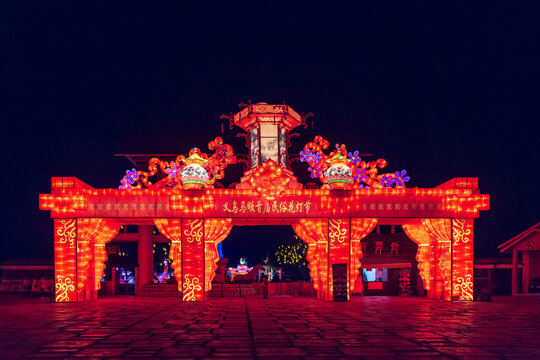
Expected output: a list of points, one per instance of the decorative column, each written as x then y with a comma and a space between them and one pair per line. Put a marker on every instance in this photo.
193, 260
145, 255
339, 250
462, 260
65, 260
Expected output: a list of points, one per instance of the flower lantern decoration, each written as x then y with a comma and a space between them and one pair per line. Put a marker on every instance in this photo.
196, 171
194, 175
339, 174
344, 170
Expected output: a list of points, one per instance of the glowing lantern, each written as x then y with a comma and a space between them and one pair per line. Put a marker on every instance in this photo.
193, 175
339, 175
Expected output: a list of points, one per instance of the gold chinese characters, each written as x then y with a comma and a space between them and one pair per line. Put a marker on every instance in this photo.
267, 207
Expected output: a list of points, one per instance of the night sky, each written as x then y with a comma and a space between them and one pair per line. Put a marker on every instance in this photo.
440, 91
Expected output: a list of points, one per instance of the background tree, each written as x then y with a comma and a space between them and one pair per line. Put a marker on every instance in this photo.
291, 256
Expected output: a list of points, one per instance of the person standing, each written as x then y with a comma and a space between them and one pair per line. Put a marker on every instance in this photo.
41, 284
265, 286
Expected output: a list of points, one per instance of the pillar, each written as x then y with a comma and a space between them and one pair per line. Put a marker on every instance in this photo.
65, 260
193, 260
514, 271
525, 255
339, 250
145, 255
462, 260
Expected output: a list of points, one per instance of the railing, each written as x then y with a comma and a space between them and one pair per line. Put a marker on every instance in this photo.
298, 288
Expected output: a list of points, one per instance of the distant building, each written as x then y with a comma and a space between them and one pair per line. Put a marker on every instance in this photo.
525, 249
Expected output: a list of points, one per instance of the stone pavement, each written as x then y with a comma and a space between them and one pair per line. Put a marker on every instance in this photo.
280, 327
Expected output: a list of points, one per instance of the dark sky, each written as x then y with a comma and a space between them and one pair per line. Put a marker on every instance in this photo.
442, 91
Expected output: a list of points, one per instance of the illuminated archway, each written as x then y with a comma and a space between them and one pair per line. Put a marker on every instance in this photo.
195, 215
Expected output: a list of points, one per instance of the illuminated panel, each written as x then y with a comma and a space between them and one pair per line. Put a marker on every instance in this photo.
192, 260
466, 206
416, 232
338, 250
65, 260
215, 231
108, 232
441, 231
360, 228
63, 205
172, 230
462, 260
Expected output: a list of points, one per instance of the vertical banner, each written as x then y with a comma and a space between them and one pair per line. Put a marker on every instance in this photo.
338, 253
192, 260
462, 260
65, 260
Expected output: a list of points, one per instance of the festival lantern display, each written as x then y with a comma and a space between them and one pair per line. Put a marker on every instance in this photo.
343, 170
267, 128
194, 175
332, 218
240, 269
196, 171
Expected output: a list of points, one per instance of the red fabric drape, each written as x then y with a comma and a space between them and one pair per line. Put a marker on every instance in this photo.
360, 228
108, 232
417, 233
87, 229
315, 233
441, 231
172, 230
215, 231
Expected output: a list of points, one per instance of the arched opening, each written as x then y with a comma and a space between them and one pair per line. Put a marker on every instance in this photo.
250, 253
388, 265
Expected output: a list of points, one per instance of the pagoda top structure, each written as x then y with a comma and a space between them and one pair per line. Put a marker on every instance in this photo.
268, 129
254, 115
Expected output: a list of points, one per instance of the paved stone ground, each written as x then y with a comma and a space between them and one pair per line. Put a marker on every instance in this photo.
280, 327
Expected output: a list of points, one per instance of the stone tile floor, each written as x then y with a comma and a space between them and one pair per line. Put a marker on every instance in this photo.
280, 327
